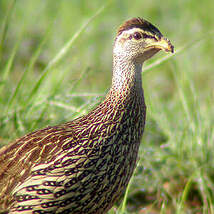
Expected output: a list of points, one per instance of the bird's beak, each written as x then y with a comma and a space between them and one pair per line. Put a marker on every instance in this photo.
162, 44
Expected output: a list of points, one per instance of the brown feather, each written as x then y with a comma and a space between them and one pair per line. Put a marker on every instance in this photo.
138, 23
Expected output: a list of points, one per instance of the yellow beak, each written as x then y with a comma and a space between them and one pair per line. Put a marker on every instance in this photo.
163, 44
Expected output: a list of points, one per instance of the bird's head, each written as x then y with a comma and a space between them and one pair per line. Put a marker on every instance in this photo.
139, 40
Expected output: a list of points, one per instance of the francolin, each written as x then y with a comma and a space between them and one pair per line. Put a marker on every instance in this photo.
84, 166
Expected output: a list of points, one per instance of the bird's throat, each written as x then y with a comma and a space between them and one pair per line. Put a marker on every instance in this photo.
126, 77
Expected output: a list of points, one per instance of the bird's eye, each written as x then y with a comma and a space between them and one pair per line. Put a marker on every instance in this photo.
137, 35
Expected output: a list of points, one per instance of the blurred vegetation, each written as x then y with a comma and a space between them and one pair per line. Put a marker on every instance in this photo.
54, 67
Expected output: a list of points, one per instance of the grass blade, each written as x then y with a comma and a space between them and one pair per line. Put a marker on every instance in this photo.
5, 25
61, 54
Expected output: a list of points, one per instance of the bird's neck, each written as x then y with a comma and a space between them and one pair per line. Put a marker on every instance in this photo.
126, 78
124, 97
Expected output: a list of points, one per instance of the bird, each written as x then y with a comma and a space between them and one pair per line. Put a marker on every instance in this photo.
84, 166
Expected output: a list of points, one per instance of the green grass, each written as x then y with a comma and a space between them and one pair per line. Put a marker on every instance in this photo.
55, 65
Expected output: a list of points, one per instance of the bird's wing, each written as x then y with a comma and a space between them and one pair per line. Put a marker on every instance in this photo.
18, 158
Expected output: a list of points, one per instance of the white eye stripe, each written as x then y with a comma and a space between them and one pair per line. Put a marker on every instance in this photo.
129, 34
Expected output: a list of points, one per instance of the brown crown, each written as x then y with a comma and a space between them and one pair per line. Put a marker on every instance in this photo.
138, 23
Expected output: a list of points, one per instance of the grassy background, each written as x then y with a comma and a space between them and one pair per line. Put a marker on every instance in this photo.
55, 67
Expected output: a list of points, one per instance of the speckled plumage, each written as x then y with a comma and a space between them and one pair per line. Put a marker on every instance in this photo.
82, 166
